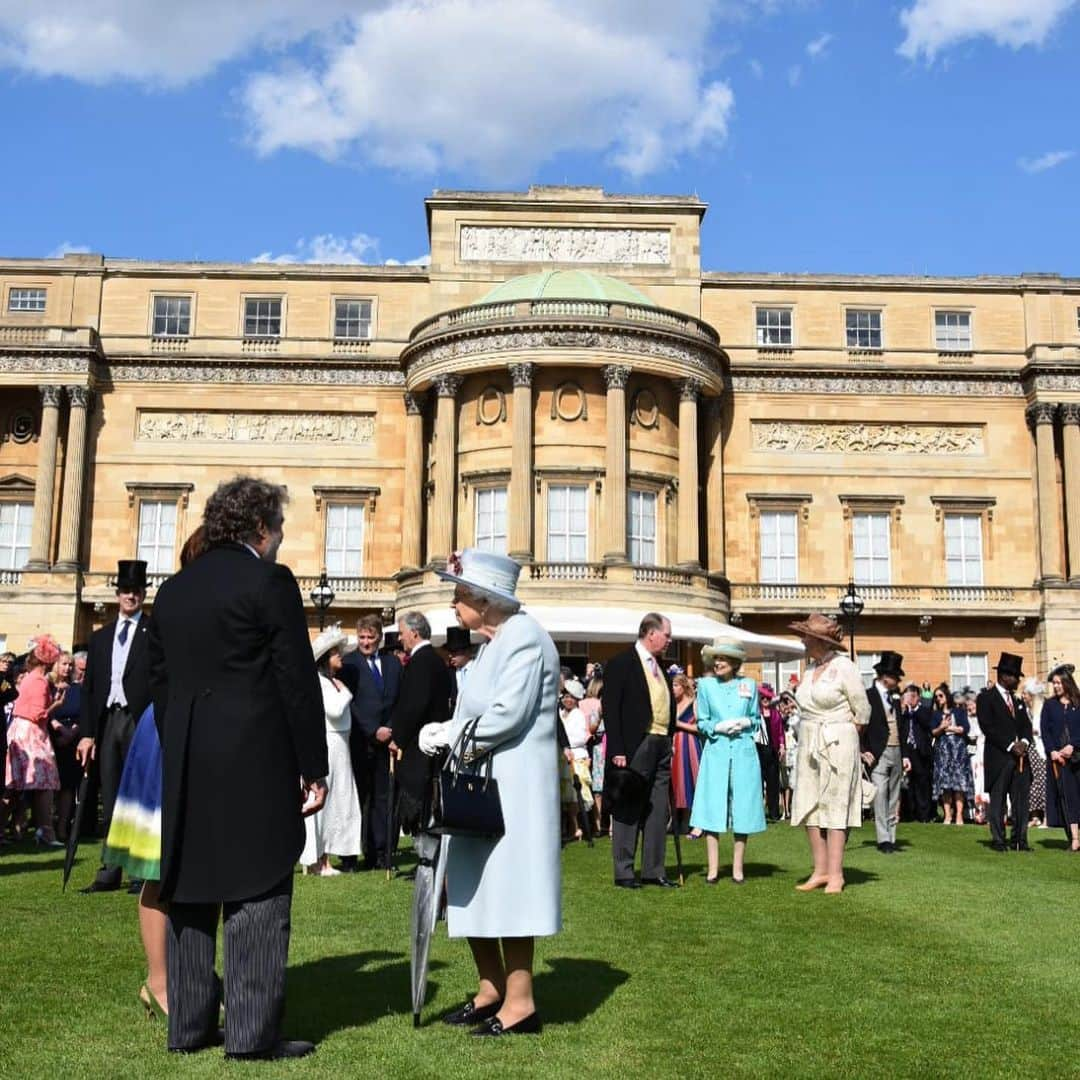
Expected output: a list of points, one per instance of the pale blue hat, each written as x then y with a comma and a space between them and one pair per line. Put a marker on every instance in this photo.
484, 572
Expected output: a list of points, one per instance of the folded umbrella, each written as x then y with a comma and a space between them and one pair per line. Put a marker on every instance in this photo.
1063, 805
427, 893
391, 817
76, 826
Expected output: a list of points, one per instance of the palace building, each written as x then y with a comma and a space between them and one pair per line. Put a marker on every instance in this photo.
564, 383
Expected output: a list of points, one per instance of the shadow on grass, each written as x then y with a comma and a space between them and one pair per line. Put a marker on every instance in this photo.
28, 866
574, 988
854, 876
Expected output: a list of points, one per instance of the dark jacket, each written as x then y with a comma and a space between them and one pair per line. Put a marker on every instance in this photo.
626, 705
371, 704
240, 714
424, 698
1001, 730
875, 736
916, 726
98, 678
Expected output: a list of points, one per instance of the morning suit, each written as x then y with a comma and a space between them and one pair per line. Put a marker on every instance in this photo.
423, 699
627, 708
109, 721
240, 714
887, 770
1005, 775
374, 692
917, 746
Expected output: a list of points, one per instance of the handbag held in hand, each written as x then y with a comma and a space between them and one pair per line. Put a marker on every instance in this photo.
466, 796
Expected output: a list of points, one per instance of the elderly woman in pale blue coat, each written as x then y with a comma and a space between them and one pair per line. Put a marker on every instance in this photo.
505, 892
728, 793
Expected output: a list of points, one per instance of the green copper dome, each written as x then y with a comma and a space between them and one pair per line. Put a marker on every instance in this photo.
565, 285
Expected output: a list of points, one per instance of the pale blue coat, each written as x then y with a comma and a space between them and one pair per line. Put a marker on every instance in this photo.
730, 773
512, 887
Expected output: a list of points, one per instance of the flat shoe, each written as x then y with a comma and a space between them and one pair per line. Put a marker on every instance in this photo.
712, 880
471, 1014
285, 1048
529, 1025
810, 884
737, 880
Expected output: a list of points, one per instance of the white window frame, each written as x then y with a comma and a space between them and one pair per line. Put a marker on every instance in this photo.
865, 662
947, 336
766, 328
567, 536
771, 521
862, 337
490, 521
777, 673
344, 559
874, 567
20, 517
369, 322
258, 316
19, 299
970, 553
636, 538
158, 553
968, 669
171, 298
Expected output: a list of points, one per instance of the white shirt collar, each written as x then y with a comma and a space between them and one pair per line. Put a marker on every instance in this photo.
644, 653
417, 647
133, 619
252, 550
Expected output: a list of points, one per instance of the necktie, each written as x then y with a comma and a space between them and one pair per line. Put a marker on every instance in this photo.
1012, 705
124, 632
654, 671
376, 674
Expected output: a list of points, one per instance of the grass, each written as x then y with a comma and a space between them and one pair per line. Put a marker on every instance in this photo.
944, 960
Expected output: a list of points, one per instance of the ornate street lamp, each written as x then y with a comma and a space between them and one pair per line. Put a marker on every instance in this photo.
851, 607
322, 596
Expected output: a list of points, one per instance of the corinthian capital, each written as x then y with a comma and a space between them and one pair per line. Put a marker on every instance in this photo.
79, 396
1070, 412
447, 385
615, 376
521, 374
414, 404
1042, 412
690, 389
51, 396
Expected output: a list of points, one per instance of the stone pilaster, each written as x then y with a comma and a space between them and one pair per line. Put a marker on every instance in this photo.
520, 503
443, 507
689, 542
1041, 417
1070, 419
45, 485
81, 400
413, 513
615, 376
714, 491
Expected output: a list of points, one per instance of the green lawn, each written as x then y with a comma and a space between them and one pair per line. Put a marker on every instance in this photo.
945, 960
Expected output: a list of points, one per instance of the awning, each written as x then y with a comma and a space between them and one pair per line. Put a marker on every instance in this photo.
581, 623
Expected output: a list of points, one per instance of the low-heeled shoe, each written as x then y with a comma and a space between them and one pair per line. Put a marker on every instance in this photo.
285, 1048
472, 1014
530, 1025
661, 882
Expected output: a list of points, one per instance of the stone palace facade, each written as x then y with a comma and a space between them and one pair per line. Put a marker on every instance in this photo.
565, 383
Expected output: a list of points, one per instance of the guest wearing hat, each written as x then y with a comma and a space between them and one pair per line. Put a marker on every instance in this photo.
460, 651
1005, 723
116, 692
881, 743
576, 726
728, 793
833, 708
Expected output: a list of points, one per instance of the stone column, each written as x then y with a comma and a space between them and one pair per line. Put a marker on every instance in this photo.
520, 503
689, 543
81, 399
714, 491
45, 486
413, 511
1070, 418
1041, 417
443, 522
615, 375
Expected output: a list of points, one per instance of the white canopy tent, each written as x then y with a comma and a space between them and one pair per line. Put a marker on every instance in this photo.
582, 623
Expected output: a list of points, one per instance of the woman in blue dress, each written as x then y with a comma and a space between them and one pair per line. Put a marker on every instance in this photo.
728, 793
953, 781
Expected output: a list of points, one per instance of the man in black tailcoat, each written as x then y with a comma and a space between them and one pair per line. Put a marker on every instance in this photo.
883, 740
1004, 721
115, 693
917, 747
240, 714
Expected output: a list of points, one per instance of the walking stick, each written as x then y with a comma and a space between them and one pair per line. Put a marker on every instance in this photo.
391, 817
1063, 803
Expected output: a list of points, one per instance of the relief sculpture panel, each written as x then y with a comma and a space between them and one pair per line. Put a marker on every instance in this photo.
838, 438
514, 243
256, 427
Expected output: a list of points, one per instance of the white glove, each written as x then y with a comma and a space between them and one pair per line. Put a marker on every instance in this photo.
728, 727
433, 738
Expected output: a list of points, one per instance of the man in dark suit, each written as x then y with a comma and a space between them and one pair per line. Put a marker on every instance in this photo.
423, 699
240, 714
1004, 720
460, 650
373, 677
115, 693
882, 748
639, 717
917, 747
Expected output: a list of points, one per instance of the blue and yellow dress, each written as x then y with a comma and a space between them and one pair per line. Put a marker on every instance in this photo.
728, 795
134, 840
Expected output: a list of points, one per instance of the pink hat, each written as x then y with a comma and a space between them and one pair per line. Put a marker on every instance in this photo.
45, 650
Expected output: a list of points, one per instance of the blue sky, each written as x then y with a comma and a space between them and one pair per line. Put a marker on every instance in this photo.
921, 136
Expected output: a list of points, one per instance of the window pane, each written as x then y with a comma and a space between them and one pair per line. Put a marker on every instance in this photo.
26, 300
567, 523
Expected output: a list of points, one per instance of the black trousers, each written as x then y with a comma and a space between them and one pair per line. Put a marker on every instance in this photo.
110, 751
653, 760
256, 941
919, 781
371, 770
770, 773
1016, 786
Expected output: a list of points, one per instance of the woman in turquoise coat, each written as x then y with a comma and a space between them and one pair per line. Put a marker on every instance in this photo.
728, 793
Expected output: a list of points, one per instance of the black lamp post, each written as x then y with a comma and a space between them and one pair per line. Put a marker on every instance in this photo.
322, 596
851, 607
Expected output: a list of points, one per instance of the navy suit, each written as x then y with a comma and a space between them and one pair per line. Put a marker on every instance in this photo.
917, 746
371, 707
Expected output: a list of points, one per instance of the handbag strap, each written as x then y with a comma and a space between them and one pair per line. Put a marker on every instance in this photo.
460, 751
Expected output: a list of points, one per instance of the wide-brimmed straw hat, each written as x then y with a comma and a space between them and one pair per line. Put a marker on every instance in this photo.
722, 648
821, 627
484, 572
574, 689
333, 637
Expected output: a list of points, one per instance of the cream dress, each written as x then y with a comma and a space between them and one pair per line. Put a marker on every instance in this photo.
828, 774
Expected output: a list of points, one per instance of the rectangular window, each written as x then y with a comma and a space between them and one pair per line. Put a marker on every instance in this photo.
952, 331
568, 523
963, 549
641, 528
863, 329
491, 519
157, 535
172, 316
344, 555
779, 547
773, 326
968, 670
262, 317
15, 524
870, 539
352, 319
866, 662
26, 300
778, 673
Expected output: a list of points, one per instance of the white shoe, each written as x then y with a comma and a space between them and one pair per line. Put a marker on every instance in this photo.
329, 871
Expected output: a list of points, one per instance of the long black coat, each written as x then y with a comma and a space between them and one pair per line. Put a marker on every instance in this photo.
1001, 730
240, 714
98, 678
875, 736
626, 705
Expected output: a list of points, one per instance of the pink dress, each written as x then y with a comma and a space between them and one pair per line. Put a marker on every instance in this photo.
31, 763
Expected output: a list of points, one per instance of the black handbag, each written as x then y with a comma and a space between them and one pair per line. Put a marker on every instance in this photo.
467, 799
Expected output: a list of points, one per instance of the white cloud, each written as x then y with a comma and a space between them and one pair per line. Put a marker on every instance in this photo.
757, 69
934, 25
794, 75
815, 48
328, 248
67, 248
1050, 160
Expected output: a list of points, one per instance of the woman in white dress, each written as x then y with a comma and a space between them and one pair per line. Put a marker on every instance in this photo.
502, 894
975, 751
336, 828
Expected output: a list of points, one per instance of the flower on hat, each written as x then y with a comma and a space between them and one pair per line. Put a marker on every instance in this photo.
453, 563
45, 649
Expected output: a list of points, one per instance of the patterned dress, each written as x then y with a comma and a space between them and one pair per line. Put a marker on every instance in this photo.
952, 766
685, 762
134, 840
31, 761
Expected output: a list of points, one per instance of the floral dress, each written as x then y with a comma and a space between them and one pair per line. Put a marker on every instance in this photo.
31, 761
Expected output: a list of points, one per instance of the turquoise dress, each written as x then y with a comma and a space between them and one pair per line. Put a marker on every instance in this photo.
728, 795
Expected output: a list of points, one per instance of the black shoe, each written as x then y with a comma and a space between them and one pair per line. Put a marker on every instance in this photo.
135, 888
530, 1025
998, 847
472, 1014
885, 849
627, 883
661, 882
285, 1048
100, 886
1024, 846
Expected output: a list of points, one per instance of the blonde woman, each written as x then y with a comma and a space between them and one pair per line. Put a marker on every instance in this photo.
685, 753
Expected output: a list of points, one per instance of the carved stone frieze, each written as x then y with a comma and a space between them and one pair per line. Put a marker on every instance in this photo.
1055, 382
355, 429
883, 384
559, 244
44, 365
791, 437
264, 373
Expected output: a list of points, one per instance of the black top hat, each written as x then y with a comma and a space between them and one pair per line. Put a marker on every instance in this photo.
625, 794
391, 641
458, 638
131, 575
1010, 664
890, 664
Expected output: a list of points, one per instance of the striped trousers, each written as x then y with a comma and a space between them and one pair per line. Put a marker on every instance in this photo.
256, 940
